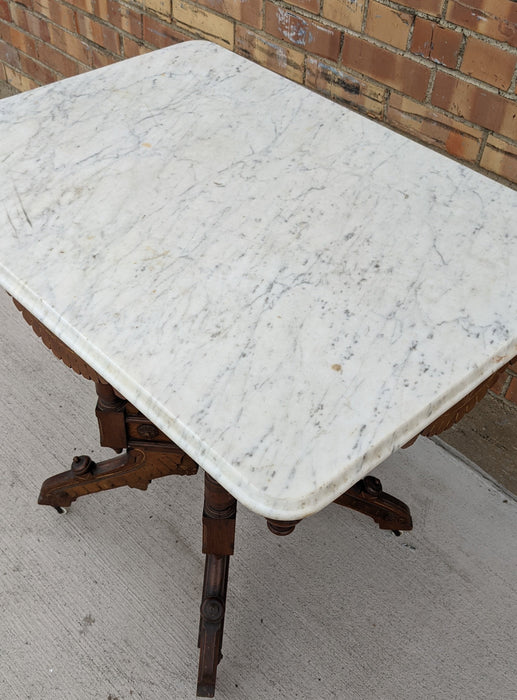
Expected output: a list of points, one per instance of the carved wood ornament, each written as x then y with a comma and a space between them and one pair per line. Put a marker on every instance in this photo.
462, 407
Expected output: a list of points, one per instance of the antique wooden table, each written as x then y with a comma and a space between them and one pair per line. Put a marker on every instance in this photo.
258, 281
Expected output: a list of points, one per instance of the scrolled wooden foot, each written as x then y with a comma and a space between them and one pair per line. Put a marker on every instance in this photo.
368, 497
218, 544
136, 468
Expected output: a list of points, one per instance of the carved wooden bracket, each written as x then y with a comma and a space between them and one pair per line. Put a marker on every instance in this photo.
59, 349
135, 468
367, 496
460, 409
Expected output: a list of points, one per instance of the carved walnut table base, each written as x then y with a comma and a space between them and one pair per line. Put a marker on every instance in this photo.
148, 454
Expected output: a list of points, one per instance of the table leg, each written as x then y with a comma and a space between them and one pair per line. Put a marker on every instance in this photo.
218, 542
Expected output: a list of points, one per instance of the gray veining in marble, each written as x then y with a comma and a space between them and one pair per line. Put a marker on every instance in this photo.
285, 288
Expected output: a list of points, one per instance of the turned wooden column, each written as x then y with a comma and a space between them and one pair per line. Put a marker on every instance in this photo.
111, 417
218, 542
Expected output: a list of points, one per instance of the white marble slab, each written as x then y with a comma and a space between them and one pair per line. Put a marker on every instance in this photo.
285, 288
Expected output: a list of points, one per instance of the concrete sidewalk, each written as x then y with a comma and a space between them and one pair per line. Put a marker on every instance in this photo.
103, 602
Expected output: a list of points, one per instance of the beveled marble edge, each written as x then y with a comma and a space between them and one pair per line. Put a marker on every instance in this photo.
220, 469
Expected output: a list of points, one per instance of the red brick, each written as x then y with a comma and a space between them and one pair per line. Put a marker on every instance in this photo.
56, 60
433, 127
422, 37
347, 13
445, 46
511, 392
285, 60
89, 6
100, 8
309, 5
500, 157
437, 43
388, 25
18, 80
30, 23
475, 104
248, 12
500, 385
102, 58
302, 32
41, 74
494, 18
98, 33
387, 67
501, 9
21, 41
5, 13
25, 3
204, 23
133, 48
344, 88
59, 14
3, 75
488, 63
125, 18
70, 44
161, 34
9, 55
163, 8
431, 7
111, 11
513, 366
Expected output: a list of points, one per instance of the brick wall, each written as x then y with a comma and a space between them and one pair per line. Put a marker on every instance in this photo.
441, 71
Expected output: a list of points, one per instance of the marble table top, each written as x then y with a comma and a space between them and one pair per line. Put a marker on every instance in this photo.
287, 289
